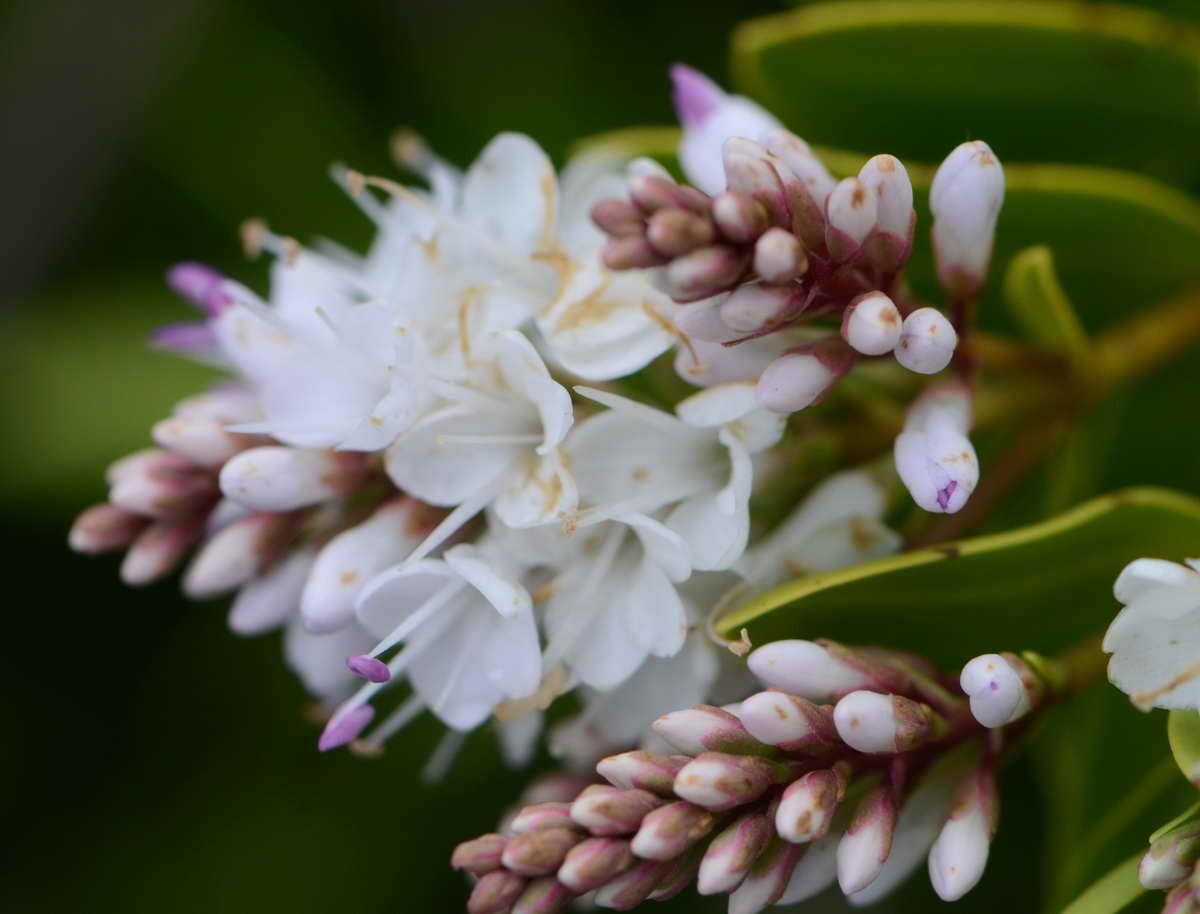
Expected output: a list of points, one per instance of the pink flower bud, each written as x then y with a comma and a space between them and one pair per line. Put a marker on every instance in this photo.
285, 478
933, 455
539, 853
159, 548
822, 672
594, 861
850, 214
200, 285
618, 218
604, 810
1172, 858
696, 730
927, 341
544, 896
718, 781
631, 252
236, 553
705, 272
768, 878
542, 815
865, 846
799, 379
650, 193
732, 852
871, 324
757, 305
160, 487
959, 855
1181, 900
792, 723
104, 527
739, 217
200, 439
749, 171
886, 177
807, 807
628, 890
965, 198
674, 232
807, 183
479, 856
779, 256
495, 893
681, 876
642, 770
874, 723
670, 830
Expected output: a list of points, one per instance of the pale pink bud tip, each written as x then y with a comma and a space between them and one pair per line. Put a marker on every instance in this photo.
695, 95
104, 527
495, 893
369, 668
200, 285
344, 728
482, 855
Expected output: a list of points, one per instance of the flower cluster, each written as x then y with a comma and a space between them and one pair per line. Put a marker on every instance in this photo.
854, 766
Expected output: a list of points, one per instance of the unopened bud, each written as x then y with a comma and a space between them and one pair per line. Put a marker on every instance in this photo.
749, 171
768, 878
927, 341
807, 183
756, 306
965, 198
822, 671
705, 272
1172, 857
160, 487
605, 810
797, 380
650, 193
284, 478
650, 771
618, 218
670, 830
479, 856
1181, 900
681, 876
718, 781
544, 896
864, 848
792, 723
104, 527
159, 548
631, 252
702, 321
739, 217
267, 601
705, 728
542, 815
874, 723
779, 256
593, 861
731, 854
933, 455
998, 693
850, 214
628, 890
495, 893
959, 855
886, 177
871, 324
200, 439
541, 852
808, 805
236, 553
674, 232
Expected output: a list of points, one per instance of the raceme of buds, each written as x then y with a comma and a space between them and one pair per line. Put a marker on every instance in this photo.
933, 455
965, 198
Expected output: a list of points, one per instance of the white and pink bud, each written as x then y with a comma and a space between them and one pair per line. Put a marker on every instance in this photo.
628, 890
495, 893
103, 528
201, 439
1172, 857
790, 722
236, 553
807, 183
593, 861
749, 170
739, 217
618, 218
705, 728
800, 378
704, 272
1001, 688
758, 305
479, 856
718, 781
270, 599
670, 830
871, 324
850, 214
631, 252
542, 815
959, 855
605, 810
779, 256
541, 852
933, 455
875, 723
281, 478
159, 548
161, 485
808, 805
965, 199
544, 896
709, 116
732, 852
927, 341
764, 885
651, 192
674, 232
1183, 899
864, 848
821, 672
642, 770
886, 178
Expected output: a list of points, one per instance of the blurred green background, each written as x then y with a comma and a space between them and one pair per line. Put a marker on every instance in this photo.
153, 762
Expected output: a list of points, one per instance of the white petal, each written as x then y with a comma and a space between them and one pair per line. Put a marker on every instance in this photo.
526, 373
391, 596
664, 546
1155, 660
654, 612
1142, 577
320, 660
271, 599
718, 405
505, 595
511, 192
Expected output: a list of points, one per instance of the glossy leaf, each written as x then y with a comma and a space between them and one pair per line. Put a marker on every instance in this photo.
1039, 81
1040, 306
1183, 731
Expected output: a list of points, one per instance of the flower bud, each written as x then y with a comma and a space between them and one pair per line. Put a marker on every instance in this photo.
702, 321
732, 852
674, 232
779, 256
631, 252
604, 810
739, 217
618, 218
821, 672
864, 848
808, 805
799, 379
281, 478
886, 177
479, 856
758, 305
641, 770
200, 439
959, 855
850, 214
1181, 900
670, 830
767, 879
495, 893
816, 869
593, 861
709, 116
267, 601
544, 896
749, 171
651, 192
704, 272
159, 548
542, 815
927, 341
200, 285
104, 527
965, 199
792, 723
997, 690
541, 852
871, 324
161, 487
631, 888
718, 781
807, 183
1172, 857
681, 876
933, 455
236, 553
705, 728
874, 723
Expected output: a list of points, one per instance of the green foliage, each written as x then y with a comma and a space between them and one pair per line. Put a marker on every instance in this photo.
1040, 306
1183, 731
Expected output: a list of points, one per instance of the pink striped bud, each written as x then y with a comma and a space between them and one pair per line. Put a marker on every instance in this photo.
495, 893
285, 478
631, 252
643, 770
618, 218
650, 193
703, 728
201, 439
479, 856
959, 855
758, 305
739, 216
269, 599
718, 781
875, 723
850, 214
160, 487
886, 177
542, 815
236, 553
159, 548
765, 883
927, 341
104, 527
670, 830
792, 723
731, 854
705, 272
544, 896
594, 861
807, 183
749, 170
674, 232
800, 378
1172, 858
779, 256
682, 876
1181, 900
865, 846
143, 462
605, 810
871, 324
822, 671
807, 807
541, 852
628, 890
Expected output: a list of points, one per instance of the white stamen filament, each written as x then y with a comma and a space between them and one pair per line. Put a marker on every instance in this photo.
443, 756
396, 721
418, 617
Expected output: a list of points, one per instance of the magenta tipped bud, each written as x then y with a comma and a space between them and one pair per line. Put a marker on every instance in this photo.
739, 217
792, 723
674, 232
807, 807
104, 527
731, 854
618, 218
539, 853
850, 214
345, 727
542, 815
874, 723
544, 896
604, 810
594, 861
821, 671
495, 893
670, 830
1001, 688
705, 728
631, 252
626, 891
1172, 858
718, 781
779, 256
199, 285
643, 770
370, 668
479, 856
864, 848
705, 272
765, 883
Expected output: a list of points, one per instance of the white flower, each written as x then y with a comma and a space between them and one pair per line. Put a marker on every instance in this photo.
1155, 639
933, 455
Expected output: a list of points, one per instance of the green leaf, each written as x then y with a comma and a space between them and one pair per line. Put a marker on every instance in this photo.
1040, 82
1114, 892
1040, 306
1183, 732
